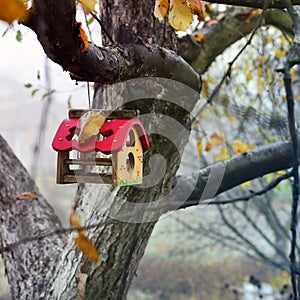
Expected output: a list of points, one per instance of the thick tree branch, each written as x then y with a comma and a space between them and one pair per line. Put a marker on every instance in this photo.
226, 32
239, 169
58, 32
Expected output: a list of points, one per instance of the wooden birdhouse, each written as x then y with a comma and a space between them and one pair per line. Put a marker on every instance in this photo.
114, 155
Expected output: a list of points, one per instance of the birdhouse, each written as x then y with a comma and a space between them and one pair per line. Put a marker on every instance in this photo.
114, 155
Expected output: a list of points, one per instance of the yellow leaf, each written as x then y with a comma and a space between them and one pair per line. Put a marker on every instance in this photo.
180, 16
232, 119
223, 154
210, 79
161, 9
282, 172
198, 9
91, 123
240, 147
88, 5
269, 178
199, 146
204, 90
217, 139
249, 76
11, 10
86, 247
245, 184
279, 53
259, 71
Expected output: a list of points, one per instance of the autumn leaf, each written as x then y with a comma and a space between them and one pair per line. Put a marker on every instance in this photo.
161, 9
26, 195
245, 184
222, 155
217, 139
199, 37
82, 241
91, 123
86, 247
180, 16
204, 90
252, 15
199, 146
88, 5
280, 53
240, 147
198, 9
83, 37
75, 220
208, 147
11, 10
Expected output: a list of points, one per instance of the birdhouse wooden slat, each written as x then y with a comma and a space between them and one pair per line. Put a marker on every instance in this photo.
113, 156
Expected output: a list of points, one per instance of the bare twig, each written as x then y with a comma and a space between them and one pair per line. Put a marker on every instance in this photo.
53, 233
43, 121
227, 74
103, 27
269, 187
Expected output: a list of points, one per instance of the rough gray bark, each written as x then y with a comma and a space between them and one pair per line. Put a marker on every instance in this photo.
130, 56
30, 266
115, 241
250, 165
120, 244
220, 36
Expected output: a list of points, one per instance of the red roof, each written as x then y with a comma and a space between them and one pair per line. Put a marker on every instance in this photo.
115, 134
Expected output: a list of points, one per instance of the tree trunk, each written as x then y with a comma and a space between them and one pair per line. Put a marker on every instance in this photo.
122, 244
29, 266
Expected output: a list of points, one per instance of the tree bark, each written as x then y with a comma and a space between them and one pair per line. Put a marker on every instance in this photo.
122, 243
30, 266
231, 28
129, 57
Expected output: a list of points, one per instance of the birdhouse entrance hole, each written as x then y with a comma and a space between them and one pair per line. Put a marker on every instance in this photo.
130, 163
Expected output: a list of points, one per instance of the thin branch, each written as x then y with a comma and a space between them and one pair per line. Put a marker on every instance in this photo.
261, 233
103, 27
56, 232
245, 239
100, 224
252, 194
227, 74
43, 122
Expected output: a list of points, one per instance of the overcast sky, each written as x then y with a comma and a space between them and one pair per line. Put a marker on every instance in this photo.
20, 113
